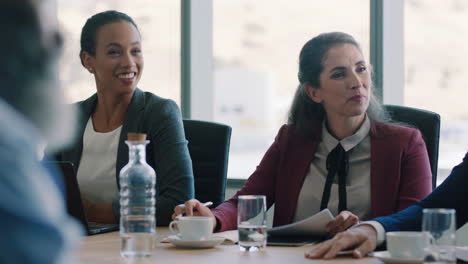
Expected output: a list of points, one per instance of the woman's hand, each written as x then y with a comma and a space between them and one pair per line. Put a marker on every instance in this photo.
193, 208
361, 240
342, 222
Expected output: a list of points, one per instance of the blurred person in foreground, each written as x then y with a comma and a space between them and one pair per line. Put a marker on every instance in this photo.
338, 151
365, 237
34, 224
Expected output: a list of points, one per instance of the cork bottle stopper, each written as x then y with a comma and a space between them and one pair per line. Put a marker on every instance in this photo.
136, 136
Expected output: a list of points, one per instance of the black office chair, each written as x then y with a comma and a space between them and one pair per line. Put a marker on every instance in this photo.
428, 123
208, 144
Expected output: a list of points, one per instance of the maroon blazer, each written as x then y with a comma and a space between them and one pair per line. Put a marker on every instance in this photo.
400, 173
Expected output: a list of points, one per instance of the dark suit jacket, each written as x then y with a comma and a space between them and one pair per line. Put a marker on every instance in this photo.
450, 194
400, 172
167, 152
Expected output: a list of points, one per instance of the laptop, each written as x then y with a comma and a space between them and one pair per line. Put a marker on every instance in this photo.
75, 204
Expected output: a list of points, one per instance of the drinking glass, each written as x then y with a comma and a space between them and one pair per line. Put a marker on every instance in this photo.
439, 225
251, 222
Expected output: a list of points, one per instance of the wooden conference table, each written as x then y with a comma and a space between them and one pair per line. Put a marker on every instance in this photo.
105, 248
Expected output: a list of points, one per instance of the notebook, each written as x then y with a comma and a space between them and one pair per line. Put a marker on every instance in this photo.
74, 203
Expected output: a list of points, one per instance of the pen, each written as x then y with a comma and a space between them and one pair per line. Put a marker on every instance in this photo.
207, 204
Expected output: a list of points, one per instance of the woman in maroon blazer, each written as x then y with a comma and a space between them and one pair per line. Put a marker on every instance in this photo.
335, 127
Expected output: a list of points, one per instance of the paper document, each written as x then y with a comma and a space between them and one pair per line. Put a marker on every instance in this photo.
462, 242
462, 236
312, 226
462, 253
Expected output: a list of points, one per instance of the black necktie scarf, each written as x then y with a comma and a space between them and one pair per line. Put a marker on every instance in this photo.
337, 163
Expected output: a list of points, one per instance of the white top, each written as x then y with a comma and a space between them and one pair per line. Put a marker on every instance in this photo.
357, 180
96, 173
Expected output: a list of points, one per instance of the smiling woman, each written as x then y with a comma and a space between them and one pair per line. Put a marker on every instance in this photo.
118, 61
111, 50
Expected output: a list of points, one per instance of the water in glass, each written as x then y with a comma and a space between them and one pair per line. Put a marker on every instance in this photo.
439, 226
252, 238
137, 244
251, 222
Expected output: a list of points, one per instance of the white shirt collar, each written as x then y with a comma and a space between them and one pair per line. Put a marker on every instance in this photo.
348, 143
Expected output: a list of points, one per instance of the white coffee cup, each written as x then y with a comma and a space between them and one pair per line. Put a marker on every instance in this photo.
407, 245
192, 227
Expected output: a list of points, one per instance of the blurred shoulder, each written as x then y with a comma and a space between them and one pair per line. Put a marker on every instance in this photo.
15, 129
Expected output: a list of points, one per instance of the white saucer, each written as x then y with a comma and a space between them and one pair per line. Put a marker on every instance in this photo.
209, 243
385, 257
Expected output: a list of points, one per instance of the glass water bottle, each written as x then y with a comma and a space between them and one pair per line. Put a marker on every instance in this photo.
137, 201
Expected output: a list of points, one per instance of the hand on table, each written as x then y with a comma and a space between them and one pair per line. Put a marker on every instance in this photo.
342, 222
193, 207
361, 240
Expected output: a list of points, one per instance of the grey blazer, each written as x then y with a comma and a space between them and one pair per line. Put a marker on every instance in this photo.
167, 152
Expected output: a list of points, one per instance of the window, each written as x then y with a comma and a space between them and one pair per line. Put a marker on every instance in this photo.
159, 24
435, 71
256, 48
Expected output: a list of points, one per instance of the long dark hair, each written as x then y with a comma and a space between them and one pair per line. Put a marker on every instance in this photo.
305, 114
